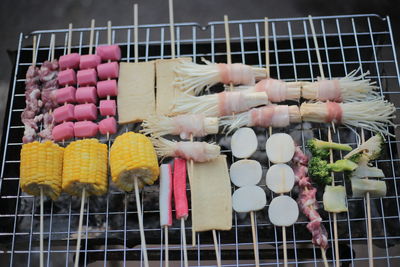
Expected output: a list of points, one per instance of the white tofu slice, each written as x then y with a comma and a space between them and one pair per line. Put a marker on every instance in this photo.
280, 178
245, 172
283, 211
248, 198
244, 143
280, 148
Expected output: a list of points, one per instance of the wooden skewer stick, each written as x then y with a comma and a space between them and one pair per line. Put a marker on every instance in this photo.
136, 32
78, 241
109, 43
140, 219
268, 74
166, 246
369, 223
321, 70
41, 228
183, 233
171, 27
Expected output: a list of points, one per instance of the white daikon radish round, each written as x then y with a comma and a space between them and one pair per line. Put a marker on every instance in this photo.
244, 143
245, 172
280, 148
283, 211
249, 198
280, 178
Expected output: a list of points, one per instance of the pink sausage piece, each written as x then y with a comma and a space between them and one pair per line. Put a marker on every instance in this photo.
70, 61
108, 108
64, 113
63, 131
89, 61
181, 203
108, 125
108, 70
86, 95
85, 112
87, 77
107, 87
66, 77
85, 129
109, 52
65, 95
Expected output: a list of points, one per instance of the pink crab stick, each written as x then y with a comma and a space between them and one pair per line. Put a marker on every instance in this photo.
66, 95
165, 195
108, 70
86, 77
85, 129
108, 108
85, 112
109, 52
108, 125
64, 113
86, 95
66, 77
89, 61
181, 203
107, 88
63, 131
70, 61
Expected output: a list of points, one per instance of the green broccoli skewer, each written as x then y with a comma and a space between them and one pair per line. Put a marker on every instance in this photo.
319, 148
320, 170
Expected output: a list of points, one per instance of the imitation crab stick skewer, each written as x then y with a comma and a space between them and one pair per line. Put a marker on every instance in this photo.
165, 199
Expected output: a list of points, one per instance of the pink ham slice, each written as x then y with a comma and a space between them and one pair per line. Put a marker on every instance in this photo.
70, 61
63, 131
108, 125
109, 52
85, 129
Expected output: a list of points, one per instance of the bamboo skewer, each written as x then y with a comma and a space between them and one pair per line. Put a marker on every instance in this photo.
109, 43
268, 75
369, 223
138, 205
321, 70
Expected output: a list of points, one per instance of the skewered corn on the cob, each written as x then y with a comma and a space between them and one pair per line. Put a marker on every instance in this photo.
133, 156
41, 166
85, 166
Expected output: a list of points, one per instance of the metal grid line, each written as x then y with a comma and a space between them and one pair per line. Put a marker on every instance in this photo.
290, 61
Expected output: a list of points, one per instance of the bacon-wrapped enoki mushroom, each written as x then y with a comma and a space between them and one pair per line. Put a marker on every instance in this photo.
277, 90
271, 115
347, 89
184, 125
192, 77
373, 115
221, 104
196, 151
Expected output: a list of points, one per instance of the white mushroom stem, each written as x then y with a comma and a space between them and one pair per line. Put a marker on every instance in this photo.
192, 77
268, 116
196, 151
348, 89
184, 125
374, 115
220, 104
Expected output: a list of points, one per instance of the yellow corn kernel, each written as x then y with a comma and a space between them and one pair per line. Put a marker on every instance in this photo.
85, 166
133, 156
41, 166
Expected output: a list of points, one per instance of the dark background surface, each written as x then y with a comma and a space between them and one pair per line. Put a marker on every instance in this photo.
26, 16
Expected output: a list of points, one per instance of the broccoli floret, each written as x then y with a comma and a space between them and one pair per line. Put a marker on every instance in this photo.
320, 170
342, 165
372, 148
321, 148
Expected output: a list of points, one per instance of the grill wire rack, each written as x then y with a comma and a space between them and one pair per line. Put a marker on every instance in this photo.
111, 232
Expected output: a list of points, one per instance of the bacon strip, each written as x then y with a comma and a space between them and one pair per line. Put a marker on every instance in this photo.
335, 112
329, 90
196, 151
230, 102
275, 89
271, 115
189, 124
236, 73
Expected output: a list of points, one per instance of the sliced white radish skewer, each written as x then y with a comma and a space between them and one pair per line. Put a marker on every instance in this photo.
244, 143
165, 203
249, 198
283, 211
280, 178
245, 172
280, 148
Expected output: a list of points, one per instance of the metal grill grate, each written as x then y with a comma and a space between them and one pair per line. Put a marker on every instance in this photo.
110, 223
